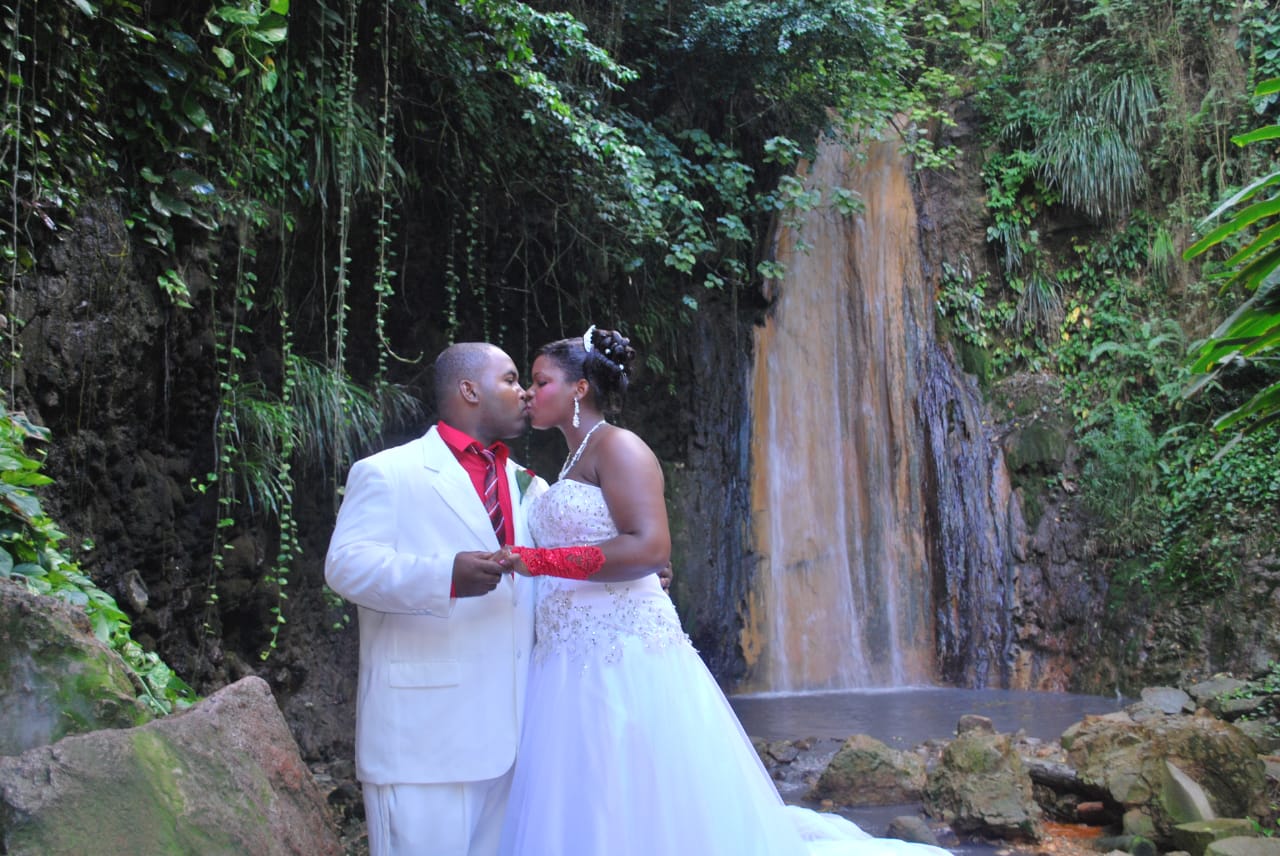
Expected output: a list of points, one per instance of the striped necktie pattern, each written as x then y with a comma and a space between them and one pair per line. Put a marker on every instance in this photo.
492, 505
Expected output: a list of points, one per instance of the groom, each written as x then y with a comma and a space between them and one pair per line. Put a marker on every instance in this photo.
445, 634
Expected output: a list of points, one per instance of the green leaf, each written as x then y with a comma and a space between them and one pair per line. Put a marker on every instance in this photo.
232, 15
26, 479
189, 179
1246, 217
86, 7
226, 57
1265, 403
272, 36
197, 115
6, 563
20, 502
169, 205
130, 29
101, 627
1268, 132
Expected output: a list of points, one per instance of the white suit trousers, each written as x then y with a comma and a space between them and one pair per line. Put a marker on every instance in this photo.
454, 819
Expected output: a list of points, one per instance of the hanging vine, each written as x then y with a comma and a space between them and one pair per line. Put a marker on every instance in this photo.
384, 275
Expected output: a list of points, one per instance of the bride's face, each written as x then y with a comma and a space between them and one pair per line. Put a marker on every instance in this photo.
552, 401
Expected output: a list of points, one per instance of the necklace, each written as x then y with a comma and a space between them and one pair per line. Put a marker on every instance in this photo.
573, 459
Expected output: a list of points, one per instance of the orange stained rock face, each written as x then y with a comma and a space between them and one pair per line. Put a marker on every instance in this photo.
842, 597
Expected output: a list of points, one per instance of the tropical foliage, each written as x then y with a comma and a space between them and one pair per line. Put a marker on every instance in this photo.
325, 192
31, 552
1108, 137
316, 188
1252, 334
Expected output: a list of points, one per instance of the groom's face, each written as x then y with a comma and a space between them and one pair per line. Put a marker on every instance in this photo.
504, 407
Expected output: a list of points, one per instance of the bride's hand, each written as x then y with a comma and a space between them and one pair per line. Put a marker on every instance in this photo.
511, 561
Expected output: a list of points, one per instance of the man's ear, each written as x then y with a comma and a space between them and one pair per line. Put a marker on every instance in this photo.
467, 390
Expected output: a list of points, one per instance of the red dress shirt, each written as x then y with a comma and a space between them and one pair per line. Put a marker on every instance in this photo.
467, 450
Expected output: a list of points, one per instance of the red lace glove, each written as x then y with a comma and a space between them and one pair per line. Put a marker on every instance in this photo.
570, 563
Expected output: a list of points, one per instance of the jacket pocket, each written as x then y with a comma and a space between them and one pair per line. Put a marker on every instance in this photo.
431, 673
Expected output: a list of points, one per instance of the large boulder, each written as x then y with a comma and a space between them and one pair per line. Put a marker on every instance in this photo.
980, 787
1160, 763
224, 777
1244, 845
56, 678
867, 772
1195, 837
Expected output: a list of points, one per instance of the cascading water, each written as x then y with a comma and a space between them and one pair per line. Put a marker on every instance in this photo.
870, 549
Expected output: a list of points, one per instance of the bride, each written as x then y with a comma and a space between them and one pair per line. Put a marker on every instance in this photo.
629, 748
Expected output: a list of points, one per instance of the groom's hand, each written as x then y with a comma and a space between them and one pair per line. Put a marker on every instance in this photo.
664, 577
475, 573
511, 561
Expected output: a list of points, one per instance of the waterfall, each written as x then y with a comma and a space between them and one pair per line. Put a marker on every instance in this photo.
864, 533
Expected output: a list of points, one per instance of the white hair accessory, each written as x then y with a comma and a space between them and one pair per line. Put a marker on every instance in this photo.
586, 338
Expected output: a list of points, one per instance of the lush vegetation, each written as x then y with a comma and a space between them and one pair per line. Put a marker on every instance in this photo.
345, 185
1114, 128
30, 551
330, 184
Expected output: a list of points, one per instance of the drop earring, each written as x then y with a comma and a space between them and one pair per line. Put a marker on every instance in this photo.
576, 421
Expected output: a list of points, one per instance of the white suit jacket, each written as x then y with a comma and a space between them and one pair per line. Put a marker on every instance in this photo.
442, 681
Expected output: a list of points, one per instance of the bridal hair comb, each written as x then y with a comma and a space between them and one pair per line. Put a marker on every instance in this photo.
586, 338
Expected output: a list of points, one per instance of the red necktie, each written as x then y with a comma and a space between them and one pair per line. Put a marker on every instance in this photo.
491, 502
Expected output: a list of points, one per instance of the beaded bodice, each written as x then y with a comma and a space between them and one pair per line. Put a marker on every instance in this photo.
580, 617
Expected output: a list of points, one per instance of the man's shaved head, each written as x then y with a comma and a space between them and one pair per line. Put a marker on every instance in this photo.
456, 363
478, 391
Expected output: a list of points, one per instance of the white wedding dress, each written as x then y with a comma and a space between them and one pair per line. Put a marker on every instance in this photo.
629, 748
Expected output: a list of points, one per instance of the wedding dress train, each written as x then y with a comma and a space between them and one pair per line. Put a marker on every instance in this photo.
629, 748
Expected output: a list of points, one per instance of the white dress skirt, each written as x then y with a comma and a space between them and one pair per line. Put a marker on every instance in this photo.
629, 747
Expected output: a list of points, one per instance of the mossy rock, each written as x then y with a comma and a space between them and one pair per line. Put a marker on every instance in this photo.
1039, 448
1195, 837
56, 678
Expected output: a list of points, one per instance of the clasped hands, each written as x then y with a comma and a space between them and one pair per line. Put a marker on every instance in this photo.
477, 572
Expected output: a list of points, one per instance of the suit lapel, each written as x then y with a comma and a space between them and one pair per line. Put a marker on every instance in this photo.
455, 488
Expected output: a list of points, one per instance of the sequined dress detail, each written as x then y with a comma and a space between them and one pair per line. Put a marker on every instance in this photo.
577, 618
628, 747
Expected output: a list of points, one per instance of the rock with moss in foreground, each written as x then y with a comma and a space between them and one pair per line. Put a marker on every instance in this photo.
224, 776
56, 678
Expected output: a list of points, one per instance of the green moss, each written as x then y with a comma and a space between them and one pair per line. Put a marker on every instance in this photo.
144, 801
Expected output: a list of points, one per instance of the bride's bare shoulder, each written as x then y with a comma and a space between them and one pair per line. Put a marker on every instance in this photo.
623, 449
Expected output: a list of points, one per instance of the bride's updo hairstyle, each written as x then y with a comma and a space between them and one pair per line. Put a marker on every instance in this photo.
603, 357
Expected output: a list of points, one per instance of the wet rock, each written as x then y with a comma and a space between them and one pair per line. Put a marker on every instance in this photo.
1196, 837
1175, 768
1184, 798
911, 828
1134, 845
1262, 733
1138, 822
867, 772
1167, 700
973, 722
980, 787
135, 591
1244, 846
1215, 687
1232, 707
222, 777
56, 678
